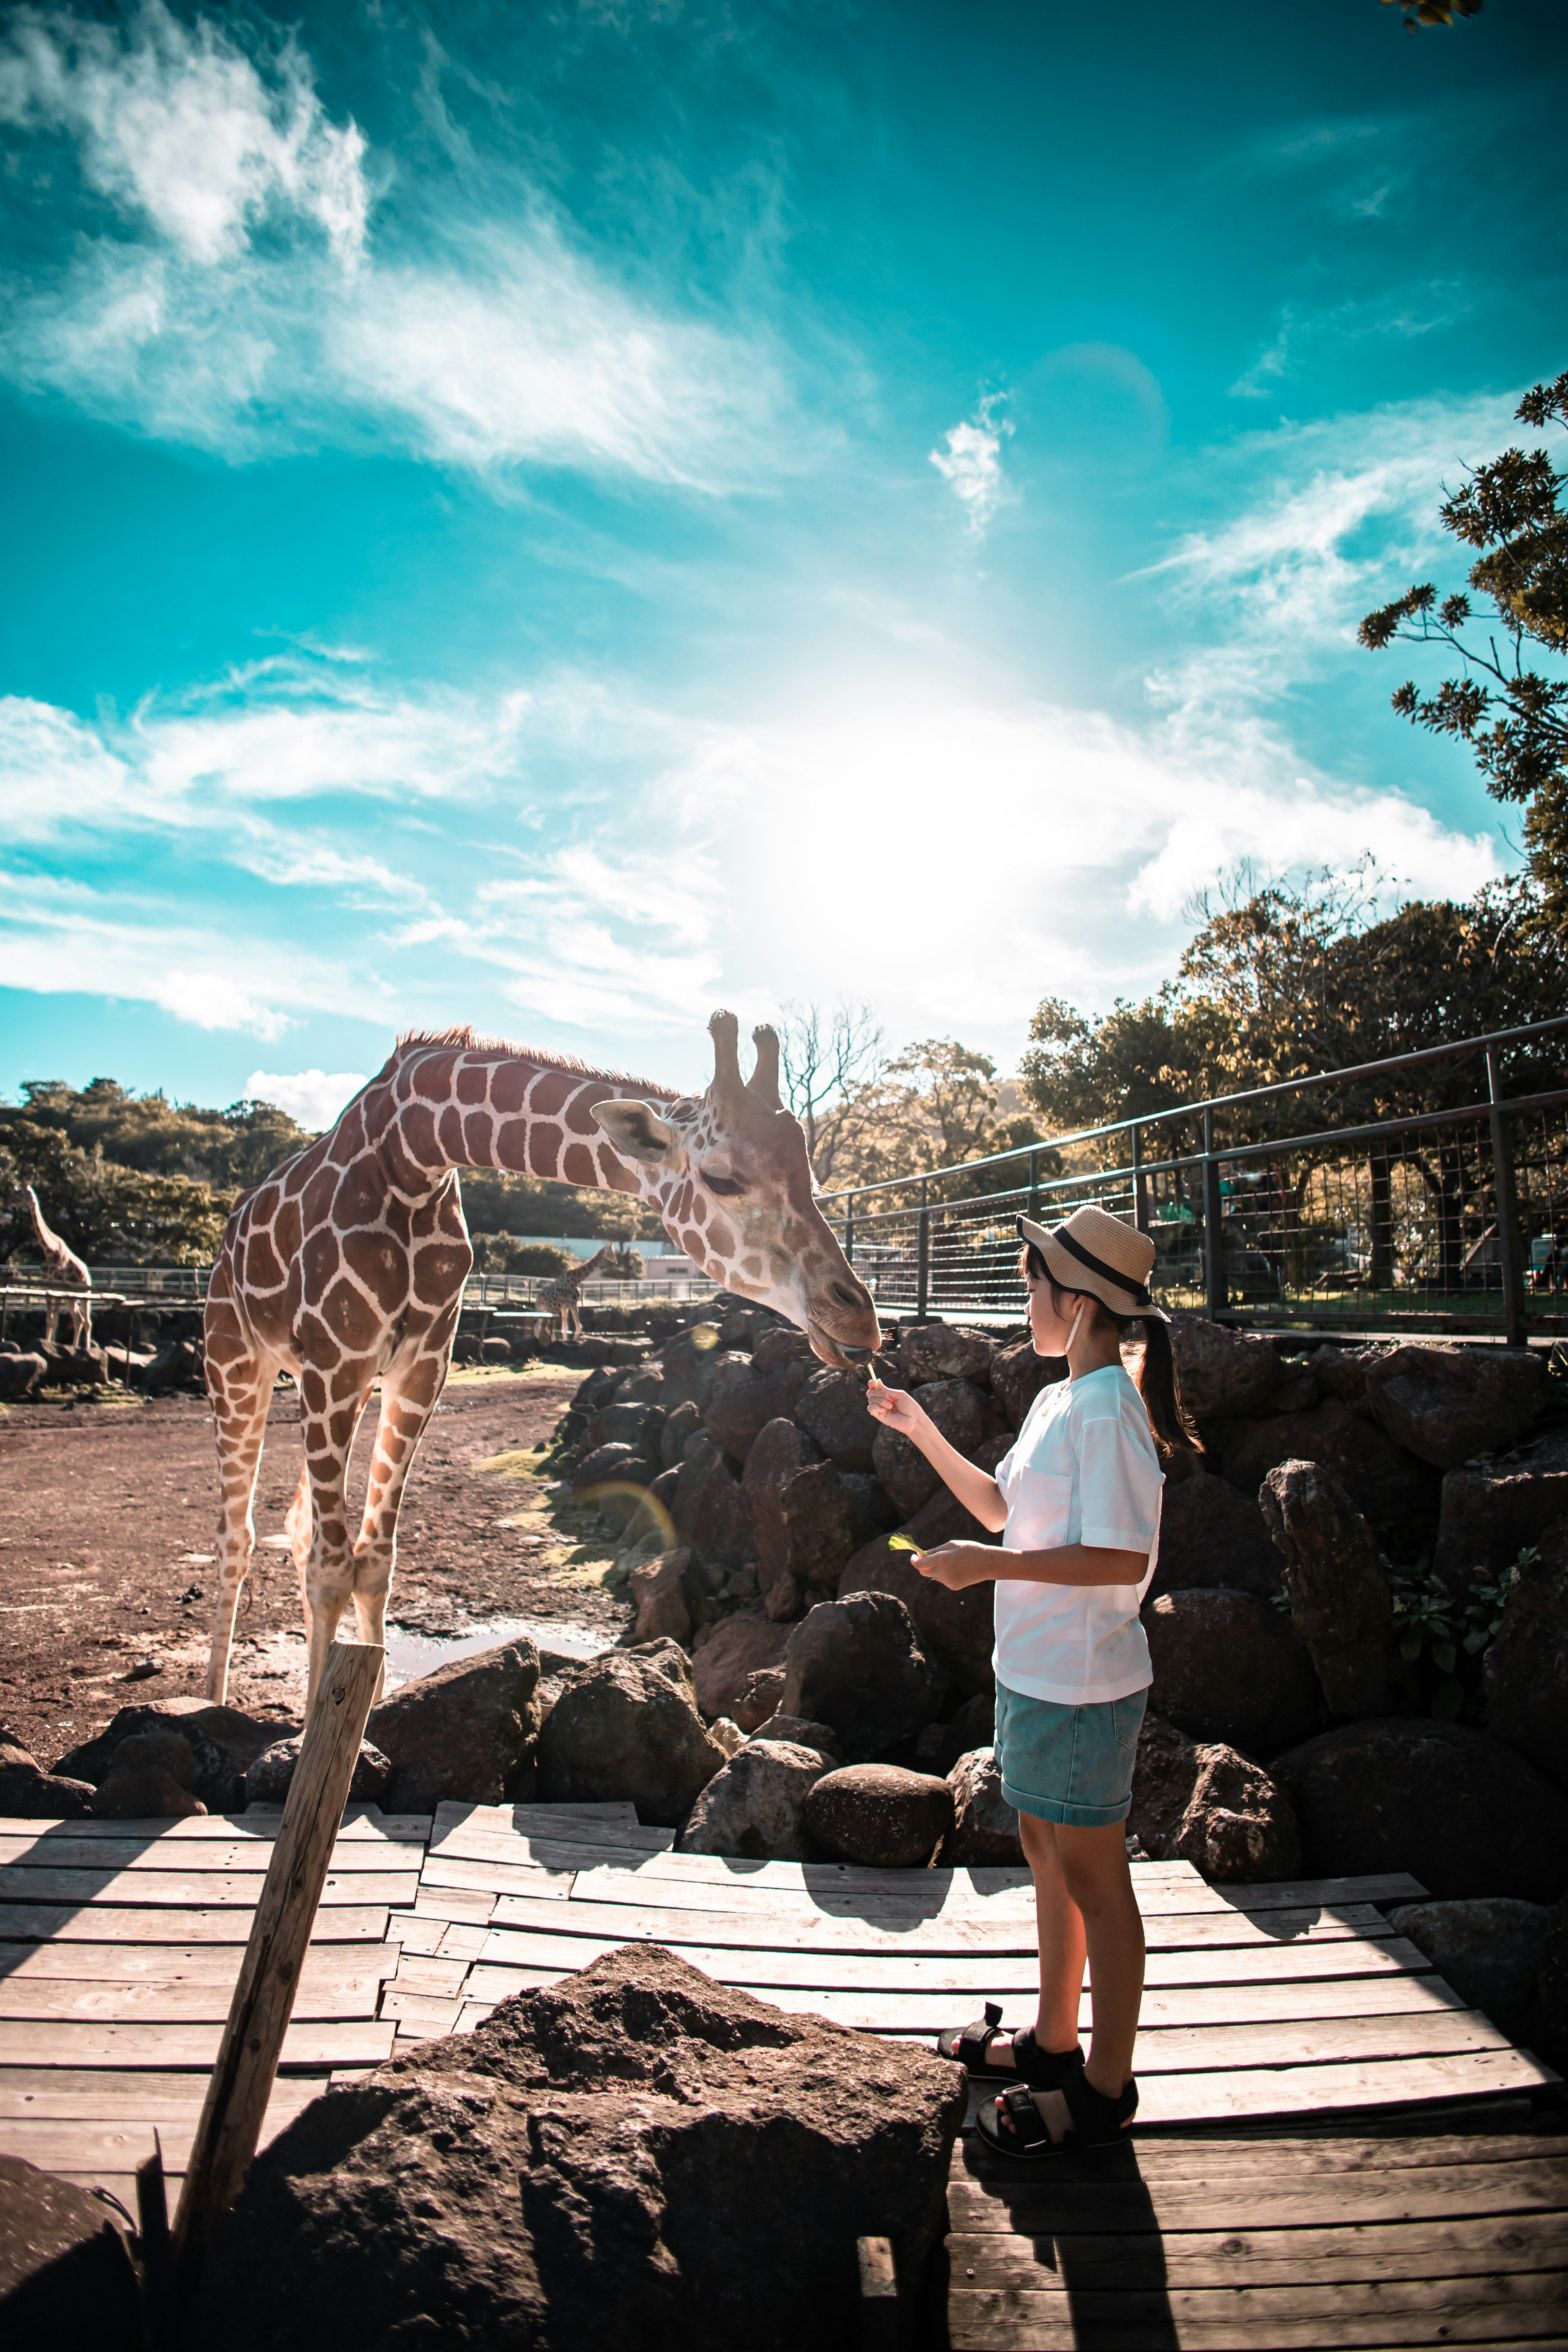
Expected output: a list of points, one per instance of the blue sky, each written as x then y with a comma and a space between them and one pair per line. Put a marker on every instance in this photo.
563, 516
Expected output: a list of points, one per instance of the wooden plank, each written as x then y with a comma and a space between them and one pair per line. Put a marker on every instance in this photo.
420, 2013
442, 1979
590, 1809
544, 1881
1287, 1894
109, 2093
1198, 2096
1260, 2319
350, 1856
176, 1963
1211, 2195
535, 1825
120, 2146
362, 1824
23, 2043
455, 1903
193, 1887
179, 2004
1247, 2256
38, 1923
973, 1977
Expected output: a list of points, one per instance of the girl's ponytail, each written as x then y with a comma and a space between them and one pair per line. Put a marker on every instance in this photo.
1158, 1387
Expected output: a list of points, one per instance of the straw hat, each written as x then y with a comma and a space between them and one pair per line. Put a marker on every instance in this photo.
1106, 1255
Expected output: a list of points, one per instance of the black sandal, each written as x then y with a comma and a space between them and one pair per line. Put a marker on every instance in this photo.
1097, 2121
1028, 2136
970, 2045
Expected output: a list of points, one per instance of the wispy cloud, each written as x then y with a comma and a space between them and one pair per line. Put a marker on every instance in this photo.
971, 463
313, 1098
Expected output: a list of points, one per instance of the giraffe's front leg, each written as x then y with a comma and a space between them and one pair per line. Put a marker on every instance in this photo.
329, 1427
240, 1399
408, 1398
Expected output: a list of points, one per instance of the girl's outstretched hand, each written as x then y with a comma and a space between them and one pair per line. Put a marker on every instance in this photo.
957, 1565
894, 1408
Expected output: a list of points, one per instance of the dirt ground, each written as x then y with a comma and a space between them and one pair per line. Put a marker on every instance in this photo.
107, 1518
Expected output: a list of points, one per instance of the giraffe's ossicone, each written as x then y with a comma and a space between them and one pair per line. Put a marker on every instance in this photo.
348, 1266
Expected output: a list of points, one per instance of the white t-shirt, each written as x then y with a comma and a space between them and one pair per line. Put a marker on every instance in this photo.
1082, 1469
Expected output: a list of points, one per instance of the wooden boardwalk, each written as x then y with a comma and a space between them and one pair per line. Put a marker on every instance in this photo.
1274, 2015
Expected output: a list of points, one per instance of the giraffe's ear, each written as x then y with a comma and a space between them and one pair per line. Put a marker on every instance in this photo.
636, 1130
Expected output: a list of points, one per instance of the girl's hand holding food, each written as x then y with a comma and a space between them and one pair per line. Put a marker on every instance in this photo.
894, 1408
957, 1565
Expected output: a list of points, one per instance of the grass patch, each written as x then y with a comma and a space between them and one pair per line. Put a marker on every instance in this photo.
518, 1463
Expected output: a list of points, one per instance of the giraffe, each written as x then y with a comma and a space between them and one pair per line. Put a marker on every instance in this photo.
63, 1270
562, 1291
348, 1262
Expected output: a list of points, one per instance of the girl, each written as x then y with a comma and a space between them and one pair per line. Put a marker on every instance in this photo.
1078, 1499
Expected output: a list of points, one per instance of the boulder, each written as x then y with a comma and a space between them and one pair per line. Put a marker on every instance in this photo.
957, 1410
942, 1352
804, 1517
858, 1665
756, 1807
782, 1344
1222, 1375
1489, 1949
870, 1510
1525, 1666
1228, 1669
1384, 1483
1492, 1512
957, 1630
658, 1593
466, 1731
695, 2167
1447, 1404
725, 1734
725, 1656
1017, 1375
29, 1793
19, 1377
67, 2278
224, 1742
744, 1400
801, 1734
985, 1827
177, 1366
624, 1729
634, 1422
1204, 1803
151, 1776
1340, 1372
974, 1726
1340, 1606
759, 1696
1211, 1536
711, 1510
1297, 1392
1454, 1807
690, 1362
1555, 1975
880, 1815
833, 1408
683, 1423
266, 1782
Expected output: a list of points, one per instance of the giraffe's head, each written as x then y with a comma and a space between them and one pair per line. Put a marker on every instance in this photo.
733, 1182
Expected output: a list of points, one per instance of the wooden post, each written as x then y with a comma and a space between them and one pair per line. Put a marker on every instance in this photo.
258, 2015
879, 2314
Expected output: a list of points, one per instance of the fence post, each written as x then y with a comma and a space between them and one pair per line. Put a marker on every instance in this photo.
1034, 1186
923, 1267
849, 1233
1506, 1211
1213, 1233
1139, 1183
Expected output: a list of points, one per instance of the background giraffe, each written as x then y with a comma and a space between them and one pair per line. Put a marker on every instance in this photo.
348, 1262
563, 1292
63, 1270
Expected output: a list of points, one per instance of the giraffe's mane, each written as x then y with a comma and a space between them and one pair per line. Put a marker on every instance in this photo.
470, 1041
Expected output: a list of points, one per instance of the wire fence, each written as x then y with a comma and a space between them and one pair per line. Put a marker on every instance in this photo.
1449, 1215
186, 1286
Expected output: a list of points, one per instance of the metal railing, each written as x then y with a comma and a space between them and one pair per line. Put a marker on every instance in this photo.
186, 1286
1444, 1217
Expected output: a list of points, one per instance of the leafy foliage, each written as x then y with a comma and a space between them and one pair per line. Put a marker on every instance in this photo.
1454, 1637
1509, 511
1434, 12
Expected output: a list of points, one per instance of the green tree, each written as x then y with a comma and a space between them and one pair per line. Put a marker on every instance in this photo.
1510, 513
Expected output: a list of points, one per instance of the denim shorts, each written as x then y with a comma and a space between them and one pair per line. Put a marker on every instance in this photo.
1069, 1764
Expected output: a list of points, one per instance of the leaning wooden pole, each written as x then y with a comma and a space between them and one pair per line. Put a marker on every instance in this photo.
258, 2016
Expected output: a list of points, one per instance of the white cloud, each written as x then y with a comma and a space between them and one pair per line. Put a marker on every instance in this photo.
972, 465
312, 1097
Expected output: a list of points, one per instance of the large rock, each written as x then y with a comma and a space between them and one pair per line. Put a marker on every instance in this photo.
833, 1408
956, 1409
1492, 1512
726, 1657
1447, 1404
877, 1814
711, 1510
628, 1727
804, 1516
744, 1400
29, 1793
1017, 1375
466, 1731
20, 1375
690, 1364
943, 1351
756, 1806
1228, 1669
224, 1742
1340, 1606
759, 1695
268, 1782
1555, 1975
985, 1827
67, 2279
635, 2156
151, 1777
1384, 1483
801, 1734
1204, 1803
957, 1630
683, 1423
1489, 1949
1223, 1375
858, 1665
1211, 1536
974, 1726
1525, 1666
1456, 1808
1340, 1372
659, 1595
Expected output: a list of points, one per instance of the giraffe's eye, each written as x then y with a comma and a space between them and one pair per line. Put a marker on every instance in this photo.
724, 1186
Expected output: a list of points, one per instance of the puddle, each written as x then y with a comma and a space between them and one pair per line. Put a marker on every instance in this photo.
410, 1654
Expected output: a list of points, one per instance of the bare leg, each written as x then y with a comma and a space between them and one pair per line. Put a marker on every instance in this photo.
409, 1394
1058, 1925
1086, 1908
